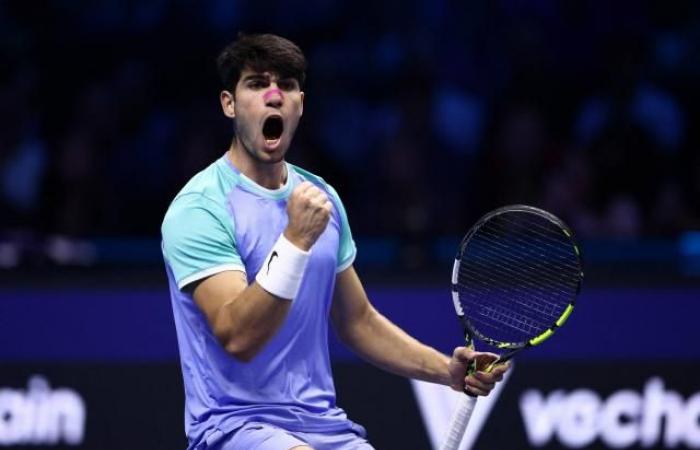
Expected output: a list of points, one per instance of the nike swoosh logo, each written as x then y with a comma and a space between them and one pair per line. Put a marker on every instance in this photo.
272, 256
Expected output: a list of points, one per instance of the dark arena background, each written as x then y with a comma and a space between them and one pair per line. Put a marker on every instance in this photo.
423, 115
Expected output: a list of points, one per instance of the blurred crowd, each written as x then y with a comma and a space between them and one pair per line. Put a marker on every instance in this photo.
423, 115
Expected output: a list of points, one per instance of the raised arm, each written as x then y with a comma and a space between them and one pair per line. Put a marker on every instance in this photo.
244, 317
376, 339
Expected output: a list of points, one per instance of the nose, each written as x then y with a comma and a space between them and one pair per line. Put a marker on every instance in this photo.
273, 97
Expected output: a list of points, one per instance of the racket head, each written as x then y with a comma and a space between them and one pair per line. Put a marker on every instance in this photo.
516, 276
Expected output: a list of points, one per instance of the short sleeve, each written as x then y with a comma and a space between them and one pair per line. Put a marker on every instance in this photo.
197, 243
346, 248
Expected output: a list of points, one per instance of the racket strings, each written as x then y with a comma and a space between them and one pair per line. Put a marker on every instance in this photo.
532, 314
555, 247
498, 255
513, 320
546, 232
516, 276
534, 254
559, 248
551, 308
492, 317
522, 323
527, 242
503, 315
513, 266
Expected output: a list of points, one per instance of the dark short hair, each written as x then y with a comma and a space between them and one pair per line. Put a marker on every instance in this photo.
261, 53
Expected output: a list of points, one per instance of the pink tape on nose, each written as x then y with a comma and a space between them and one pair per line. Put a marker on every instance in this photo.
269, 93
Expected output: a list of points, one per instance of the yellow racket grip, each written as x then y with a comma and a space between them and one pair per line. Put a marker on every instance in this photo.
490, 367
471, 369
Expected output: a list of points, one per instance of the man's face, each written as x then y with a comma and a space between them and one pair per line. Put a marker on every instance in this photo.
267, 112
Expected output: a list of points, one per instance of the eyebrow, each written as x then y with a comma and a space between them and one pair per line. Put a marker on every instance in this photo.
256, 76
260, 76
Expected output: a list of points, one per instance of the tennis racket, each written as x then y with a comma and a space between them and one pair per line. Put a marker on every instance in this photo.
515, 280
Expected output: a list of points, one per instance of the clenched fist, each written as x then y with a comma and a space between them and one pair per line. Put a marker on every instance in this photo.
308, 210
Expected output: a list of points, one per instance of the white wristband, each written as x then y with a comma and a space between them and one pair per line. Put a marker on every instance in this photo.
283, 269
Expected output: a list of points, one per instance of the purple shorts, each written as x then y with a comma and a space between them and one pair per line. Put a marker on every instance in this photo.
263, 436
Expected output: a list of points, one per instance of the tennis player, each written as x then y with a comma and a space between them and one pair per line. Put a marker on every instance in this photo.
259, 257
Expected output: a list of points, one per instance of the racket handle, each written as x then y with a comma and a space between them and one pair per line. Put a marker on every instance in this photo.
459, 422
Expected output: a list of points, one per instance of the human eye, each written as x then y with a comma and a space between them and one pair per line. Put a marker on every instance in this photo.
287, 84
257, 83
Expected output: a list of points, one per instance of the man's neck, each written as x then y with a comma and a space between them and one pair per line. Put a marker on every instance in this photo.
267, 175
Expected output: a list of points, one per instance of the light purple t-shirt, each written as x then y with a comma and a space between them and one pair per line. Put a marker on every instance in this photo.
222, 220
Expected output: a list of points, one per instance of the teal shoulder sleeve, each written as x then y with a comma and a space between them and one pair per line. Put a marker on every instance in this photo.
346, 249
198, 239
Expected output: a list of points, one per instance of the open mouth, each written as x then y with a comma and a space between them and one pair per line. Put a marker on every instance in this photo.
273, 128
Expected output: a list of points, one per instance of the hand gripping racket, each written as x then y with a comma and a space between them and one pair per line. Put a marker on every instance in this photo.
515, 280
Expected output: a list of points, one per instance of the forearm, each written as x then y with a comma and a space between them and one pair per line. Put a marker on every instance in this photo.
382, 343
249, 320
246, 323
